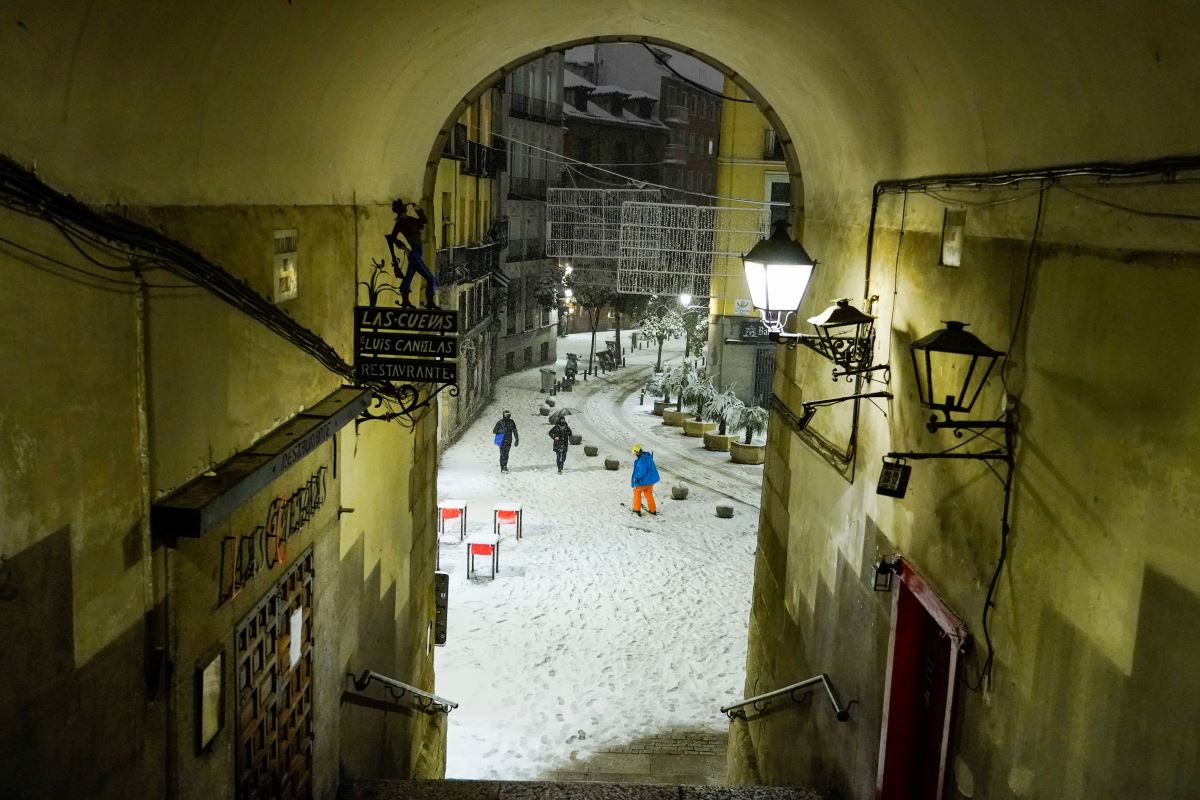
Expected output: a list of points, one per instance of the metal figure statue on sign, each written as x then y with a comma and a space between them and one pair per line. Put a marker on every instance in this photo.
410, 228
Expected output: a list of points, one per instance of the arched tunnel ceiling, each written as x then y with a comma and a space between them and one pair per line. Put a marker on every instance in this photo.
318, 102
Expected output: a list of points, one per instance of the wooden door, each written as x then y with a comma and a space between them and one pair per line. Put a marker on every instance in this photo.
919, 698
273, 647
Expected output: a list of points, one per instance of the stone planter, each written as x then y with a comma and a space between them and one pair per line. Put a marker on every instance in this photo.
725, 512
747, 453
612, 463
679, 491
675, 418
660, 406
697, 427
718, 442
577, 438
544, 411
591, 450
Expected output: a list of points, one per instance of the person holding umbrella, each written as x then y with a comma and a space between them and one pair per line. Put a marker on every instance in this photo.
506, 437
560, 435
645, 475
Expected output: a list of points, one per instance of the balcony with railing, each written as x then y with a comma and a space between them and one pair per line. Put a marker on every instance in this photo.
469, 263
535, 108
675, 115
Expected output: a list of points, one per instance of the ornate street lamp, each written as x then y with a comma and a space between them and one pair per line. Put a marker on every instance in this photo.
778, 271
845, 336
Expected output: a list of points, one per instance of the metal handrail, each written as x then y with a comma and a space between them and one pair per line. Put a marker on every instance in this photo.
426, 701
761, 701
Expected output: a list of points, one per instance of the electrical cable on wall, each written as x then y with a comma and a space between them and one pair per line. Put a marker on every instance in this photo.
24, 192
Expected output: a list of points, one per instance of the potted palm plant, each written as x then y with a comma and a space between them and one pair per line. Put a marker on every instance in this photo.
752, 420
676, 380
724, 409
697, 394
657, 387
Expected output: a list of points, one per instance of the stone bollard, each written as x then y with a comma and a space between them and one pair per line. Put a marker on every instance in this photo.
591, 450
576, 438
725, 512
544, 411
612, 463
550, 403
679, 491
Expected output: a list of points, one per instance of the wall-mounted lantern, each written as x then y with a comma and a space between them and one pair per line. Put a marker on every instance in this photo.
951, 368
885, 568
893, 478
778, 271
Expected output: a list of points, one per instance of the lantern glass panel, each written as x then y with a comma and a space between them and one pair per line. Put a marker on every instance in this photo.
951, 381
777, 287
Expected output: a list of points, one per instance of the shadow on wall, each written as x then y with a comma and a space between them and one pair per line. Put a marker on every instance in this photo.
834, 757
371, 739
64, 732
1105, 735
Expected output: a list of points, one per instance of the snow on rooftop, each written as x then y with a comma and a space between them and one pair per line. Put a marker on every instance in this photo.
571, 80
600, 627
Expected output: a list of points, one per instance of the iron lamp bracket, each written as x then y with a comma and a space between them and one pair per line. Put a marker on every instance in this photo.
849, 360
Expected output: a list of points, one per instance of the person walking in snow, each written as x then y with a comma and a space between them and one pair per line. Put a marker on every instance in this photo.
645, 475
506, 437
560, 435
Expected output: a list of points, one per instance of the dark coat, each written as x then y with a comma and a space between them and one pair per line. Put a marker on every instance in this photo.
509, 429
560, 434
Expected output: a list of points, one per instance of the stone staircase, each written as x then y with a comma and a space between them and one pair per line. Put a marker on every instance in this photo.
538, 790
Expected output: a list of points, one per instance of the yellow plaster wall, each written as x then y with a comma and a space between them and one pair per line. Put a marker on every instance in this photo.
1087, 657
238, 105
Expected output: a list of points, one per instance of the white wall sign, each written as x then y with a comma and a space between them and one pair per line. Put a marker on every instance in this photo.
743, 307
285, 273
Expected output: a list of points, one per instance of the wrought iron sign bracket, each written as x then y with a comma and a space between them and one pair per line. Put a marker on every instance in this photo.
402, 401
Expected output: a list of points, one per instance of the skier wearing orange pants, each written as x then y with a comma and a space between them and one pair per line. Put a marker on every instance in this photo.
645, 475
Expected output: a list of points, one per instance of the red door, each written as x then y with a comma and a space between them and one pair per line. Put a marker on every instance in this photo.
919, 698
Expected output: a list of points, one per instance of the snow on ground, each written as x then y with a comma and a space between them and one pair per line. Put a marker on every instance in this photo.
601, 627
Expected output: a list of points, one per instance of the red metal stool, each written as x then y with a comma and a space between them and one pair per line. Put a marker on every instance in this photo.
452, 509
507, 514
483, 545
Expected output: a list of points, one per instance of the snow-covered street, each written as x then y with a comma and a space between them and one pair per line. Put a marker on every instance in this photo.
601, 627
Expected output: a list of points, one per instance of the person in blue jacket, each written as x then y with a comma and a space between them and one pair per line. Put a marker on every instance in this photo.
645, 475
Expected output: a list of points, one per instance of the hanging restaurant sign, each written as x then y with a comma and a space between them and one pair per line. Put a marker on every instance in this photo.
405, 345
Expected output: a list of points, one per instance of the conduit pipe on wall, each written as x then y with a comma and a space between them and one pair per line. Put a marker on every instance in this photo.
1166, 168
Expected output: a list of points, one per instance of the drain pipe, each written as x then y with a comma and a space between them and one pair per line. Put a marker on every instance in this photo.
156, 562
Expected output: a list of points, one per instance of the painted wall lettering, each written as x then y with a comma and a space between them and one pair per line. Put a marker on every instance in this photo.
243, 557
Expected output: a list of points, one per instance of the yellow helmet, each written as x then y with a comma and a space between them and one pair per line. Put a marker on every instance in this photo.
637, 448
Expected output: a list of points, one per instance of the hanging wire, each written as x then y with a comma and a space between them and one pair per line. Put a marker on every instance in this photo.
628, 178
